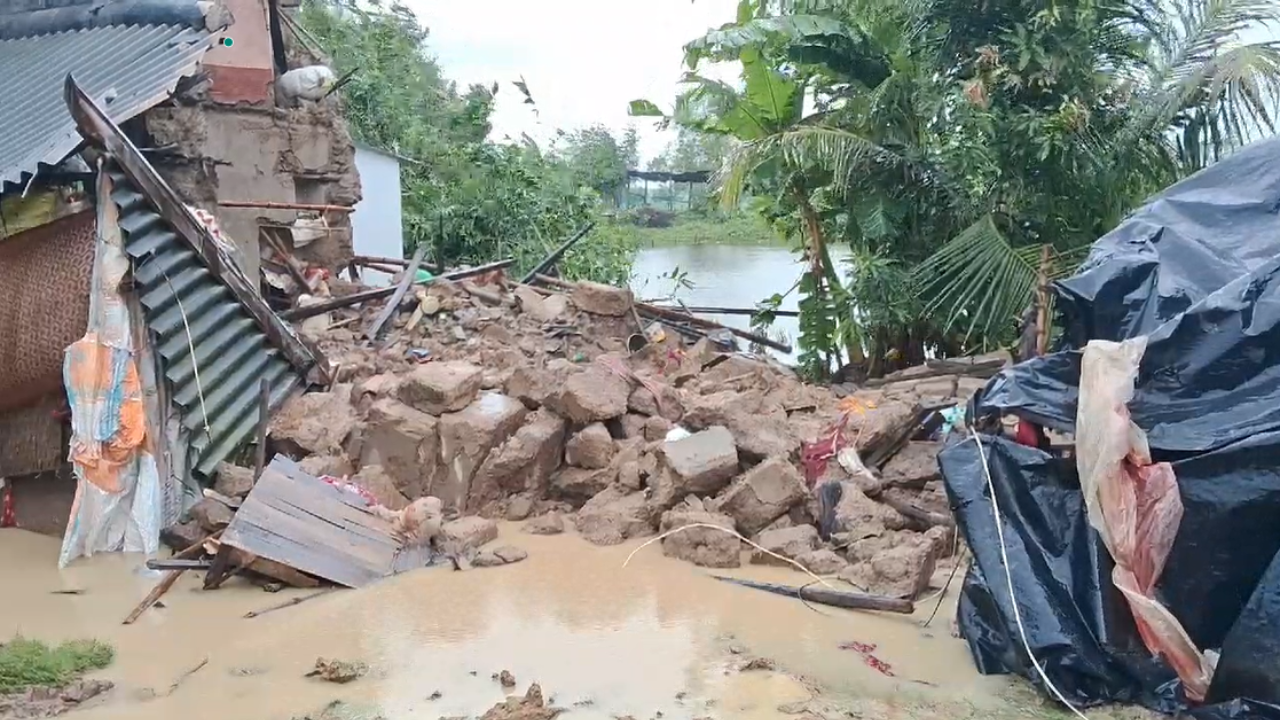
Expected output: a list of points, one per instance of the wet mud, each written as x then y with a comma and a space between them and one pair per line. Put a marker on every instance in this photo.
657, 638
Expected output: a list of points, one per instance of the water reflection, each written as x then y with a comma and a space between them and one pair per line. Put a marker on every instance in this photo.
725, 276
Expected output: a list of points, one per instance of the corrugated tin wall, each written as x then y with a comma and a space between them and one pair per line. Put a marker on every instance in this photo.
212, 352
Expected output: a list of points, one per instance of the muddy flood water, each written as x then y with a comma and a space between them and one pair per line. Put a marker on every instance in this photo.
658, 638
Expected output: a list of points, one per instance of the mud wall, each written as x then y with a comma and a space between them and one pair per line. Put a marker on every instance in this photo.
226, 140
235, 153
244, 70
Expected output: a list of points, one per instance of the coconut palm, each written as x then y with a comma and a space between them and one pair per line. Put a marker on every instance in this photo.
977, 144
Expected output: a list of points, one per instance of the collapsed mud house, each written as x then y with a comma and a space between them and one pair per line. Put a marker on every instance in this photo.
183, 96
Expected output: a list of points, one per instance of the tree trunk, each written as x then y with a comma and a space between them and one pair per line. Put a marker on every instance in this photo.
817, 268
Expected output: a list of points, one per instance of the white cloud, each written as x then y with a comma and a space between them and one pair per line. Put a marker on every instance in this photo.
583, 60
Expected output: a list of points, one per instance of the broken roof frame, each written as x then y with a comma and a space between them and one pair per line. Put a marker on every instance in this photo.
223, 343
97, 128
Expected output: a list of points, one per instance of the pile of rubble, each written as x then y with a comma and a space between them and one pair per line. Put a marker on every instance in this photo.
555, 408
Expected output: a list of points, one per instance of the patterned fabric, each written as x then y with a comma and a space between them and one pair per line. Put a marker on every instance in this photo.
44, 275
119, 503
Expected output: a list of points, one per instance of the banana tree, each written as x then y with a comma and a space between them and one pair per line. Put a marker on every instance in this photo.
781, 152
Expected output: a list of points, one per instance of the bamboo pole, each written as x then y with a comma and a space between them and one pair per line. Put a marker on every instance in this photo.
169, 579
1042, 301
273, 205
302, 313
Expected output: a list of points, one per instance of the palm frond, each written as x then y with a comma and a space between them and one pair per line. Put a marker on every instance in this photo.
980, 280
841, 152
727, 42
1217, 91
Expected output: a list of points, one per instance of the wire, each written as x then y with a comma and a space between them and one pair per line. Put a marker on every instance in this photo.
957, 557
690, 526
1008, 574
195, 368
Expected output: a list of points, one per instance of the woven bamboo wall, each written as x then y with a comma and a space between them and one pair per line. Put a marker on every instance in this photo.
44, 305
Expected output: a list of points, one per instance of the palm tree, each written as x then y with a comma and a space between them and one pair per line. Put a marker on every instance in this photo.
981, 144
1174, 88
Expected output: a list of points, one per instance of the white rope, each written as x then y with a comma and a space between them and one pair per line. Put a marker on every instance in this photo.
726, 530
195, 367
1008, 574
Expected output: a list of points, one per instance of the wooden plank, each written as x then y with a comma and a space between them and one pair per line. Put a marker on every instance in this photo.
302, 313
402, 287
306, 524
272, 526
94, 125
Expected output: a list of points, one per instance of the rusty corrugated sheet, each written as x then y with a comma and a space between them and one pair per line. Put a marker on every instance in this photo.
125, 69
213, 353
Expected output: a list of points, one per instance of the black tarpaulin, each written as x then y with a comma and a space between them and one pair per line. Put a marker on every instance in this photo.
1197, 270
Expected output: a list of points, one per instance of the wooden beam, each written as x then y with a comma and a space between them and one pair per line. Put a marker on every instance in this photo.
96, 127
402, 287
301, 313
273, 205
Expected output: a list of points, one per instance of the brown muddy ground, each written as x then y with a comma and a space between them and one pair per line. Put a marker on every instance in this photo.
658, 636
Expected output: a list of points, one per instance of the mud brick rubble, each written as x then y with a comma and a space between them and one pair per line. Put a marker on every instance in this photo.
529, 409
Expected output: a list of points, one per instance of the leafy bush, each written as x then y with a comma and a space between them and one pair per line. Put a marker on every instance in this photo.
474, 199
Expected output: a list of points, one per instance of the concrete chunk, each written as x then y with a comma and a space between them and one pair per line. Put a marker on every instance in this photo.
469, 533
600, 299
822, 562
379, 484
614, 515
315, 423
406, 443
700, 464
789, 542
592, 447
467, 437
233, 481
592, 395
702, 546
901, 570
577, 484
523, 463
441, 387
211, 514
763, 495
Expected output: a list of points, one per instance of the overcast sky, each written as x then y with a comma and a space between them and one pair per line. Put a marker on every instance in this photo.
584, 60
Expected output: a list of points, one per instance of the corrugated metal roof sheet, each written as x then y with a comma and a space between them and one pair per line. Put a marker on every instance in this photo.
125, 69
213, 353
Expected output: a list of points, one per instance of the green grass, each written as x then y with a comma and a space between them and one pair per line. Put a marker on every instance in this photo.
737, 229
30, 663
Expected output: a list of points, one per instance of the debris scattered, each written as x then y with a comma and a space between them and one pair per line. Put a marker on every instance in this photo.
532, 407
759, 663
529, 707
43, 702
505, 678
338, 671
867, 651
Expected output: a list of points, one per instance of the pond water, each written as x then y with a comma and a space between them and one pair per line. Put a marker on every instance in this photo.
724, 276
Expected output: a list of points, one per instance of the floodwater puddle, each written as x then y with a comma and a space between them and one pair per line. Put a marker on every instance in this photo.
602, 640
